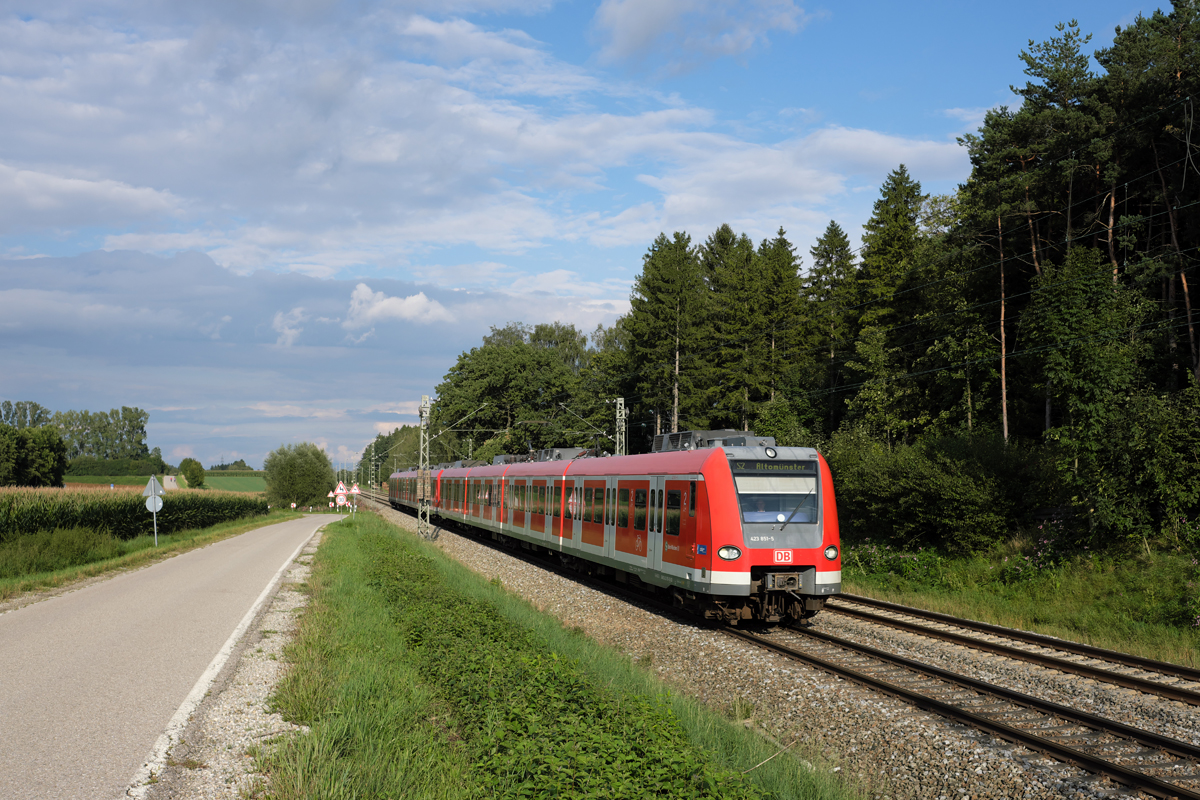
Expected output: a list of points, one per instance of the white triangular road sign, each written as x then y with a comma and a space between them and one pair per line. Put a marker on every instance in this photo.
153, 488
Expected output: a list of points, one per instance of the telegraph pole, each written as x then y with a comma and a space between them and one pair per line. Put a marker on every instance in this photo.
621, 426
424, 529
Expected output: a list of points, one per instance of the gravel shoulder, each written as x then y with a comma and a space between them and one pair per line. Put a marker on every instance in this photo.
212, 758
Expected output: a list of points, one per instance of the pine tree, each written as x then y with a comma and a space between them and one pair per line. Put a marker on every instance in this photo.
829, 293
889, 245
737, 299
664, 325
784, 334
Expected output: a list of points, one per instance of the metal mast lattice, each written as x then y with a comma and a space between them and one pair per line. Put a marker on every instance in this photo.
424, 528
620, 426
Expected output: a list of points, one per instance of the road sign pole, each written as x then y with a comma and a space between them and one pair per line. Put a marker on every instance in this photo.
153, 494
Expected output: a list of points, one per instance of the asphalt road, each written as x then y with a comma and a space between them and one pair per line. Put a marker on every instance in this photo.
91, 678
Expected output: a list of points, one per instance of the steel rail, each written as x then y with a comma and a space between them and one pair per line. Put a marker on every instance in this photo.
1086, 761
1148, 664
1107, 676
1083, 760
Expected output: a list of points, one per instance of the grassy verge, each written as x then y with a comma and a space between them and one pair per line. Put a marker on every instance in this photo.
419, 679
97, 553
1146, 603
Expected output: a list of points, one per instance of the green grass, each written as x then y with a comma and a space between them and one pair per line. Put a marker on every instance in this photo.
419, 679
58, 558
1145, 603
119, 480
235, 483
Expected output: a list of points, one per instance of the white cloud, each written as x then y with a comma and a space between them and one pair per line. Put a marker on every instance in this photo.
971, 118
288, 326
408, 408
41, 199
368, 308
292, 410
690, 30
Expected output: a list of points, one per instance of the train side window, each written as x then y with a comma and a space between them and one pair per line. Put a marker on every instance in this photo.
653, 510
639, 509
598, 508
589, 504
673, 509
623, 508
659, 512
692, 500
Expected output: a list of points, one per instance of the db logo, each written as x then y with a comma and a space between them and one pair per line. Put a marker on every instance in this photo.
783, 556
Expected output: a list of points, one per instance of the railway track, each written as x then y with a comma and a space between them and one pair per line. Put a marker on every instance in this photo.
1142, 760
1171, 681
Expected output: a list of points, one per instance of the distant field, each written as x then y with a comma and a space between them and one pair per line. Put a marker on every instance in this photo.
247, 483
119, 480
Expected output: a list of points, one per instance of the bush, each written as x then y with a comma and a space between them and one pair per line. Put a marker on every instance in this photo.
88, 465
46, 551
1150, 460
299, 473
960, 494
193, 472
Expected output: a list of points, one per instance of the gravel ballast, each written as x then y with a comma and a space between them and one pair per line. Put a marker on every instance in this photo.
887, 748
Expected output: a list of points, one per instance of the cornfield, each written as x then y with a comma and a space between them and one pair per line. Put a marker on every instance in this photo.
123, 514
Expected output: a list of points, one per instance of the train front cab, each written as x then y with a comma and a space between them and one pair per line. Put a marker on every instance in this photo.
774, 534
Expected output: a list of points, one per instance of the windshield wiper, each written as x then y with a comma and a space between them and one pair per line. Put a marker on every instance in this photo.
797, 508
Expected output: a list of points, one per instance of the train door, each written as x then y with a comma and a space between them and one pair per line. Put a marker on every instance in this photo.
610, 515
517, 502
558, 511
537, 497
654, 531
593, 513
632, 504
679, 524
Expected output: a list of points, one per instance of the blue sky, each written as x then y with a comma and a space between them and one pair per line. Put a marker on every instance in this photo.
267, 221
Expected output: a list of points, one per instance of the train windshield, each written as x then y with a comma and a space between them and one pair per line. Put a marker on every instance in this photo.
776, 492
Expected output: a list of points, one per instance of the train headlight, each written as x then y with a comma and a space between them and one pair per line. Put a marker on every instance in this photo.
770, 452
831, 552
729, 553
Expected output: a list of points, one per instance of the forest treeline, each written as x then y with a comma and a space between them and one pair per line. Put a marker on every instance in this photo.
1022, 349
38, 447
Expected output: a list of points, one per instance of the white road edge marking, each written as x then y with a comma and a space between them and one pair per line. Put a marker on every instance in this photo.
157, 759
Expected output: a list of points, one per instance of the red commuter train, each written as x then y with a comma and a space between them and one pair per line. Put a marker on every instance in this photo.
728, 524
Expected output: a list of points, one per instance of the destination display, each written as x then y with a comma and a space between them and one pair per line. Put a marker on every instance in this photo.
766, 466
